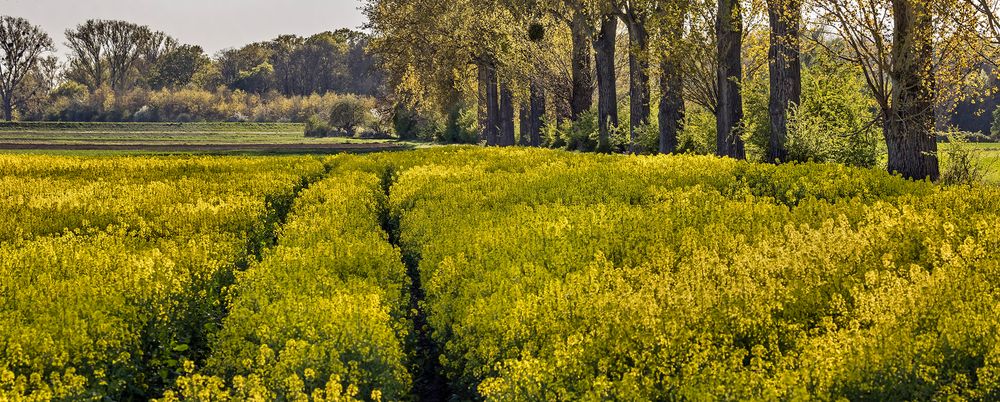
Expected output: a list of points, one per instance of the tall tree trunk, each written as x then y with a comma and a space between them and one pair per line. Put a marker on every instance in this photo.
537, 113
583, 67
8, 108
524, 118
671, 116
491, 131
729, 116
607, 91
909, 124
506, 116
482, 108
785, 72
638, 76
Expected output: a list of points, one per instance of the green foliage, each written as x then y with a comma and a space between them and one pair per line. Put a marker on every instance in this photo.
579, 135
88, 127
349, 113
995, 127
318, 127
177, 67
834, 123
462, 126
411, 125
698, 134
72, 103
648, 136
961, 162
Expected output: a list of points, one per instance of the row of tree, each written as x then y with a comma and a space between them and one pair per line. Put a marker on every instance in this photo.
123, 57
917, 57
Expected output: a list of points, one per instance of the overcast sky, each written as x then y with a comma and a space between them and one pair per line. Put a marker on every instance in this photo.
213, 24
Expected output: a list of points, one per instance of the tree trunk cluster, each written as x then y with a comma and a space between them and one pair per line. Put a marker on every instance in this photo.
909, 120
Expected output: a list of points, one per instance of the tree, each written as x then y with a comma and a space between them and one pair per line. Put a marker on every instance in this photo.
669, 20
177, 67
350, 112
506, 115
126, 43
36, 88
785, 71
363, 75
22, 45
635, 14
607, 79
86, 43
914, 55
909, 121
438, 51
583, 66
248, 68
729, 113
115, 53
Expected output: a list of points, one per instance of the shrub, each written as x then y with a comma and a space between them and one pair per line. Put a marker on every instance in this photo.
834, 123
318, 127
698, 134
350, 113
410, 124
72, 102
462, 126
582, 134
961, 161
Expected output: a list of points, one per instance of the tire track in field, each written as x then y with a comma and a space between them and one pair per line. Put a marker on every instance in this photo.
198, 348
429, 382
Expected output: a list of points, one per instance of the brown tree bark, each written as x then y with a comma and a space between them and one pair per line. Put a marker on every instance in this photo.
537, 113
607, 91
785, 72
506, 116
671, 116
488, 78
909, 123
729, 116
482, 107
638, 76
524, 121
8, 108
583, 68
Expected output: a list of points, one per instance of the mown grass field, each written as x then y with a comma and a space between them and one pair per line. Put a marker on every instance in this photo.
988, 155
179, 137
497, 274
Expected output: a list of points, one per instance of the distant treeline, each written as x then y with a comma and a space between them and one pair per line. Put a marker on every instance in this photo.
121, 71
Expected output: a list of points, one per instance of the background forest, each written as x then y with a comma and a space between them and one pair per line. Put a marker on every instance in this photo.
825, 80
118, 71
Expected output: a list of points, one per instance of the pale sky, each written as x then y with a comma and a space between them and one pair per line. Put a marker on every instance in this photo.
212, 24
